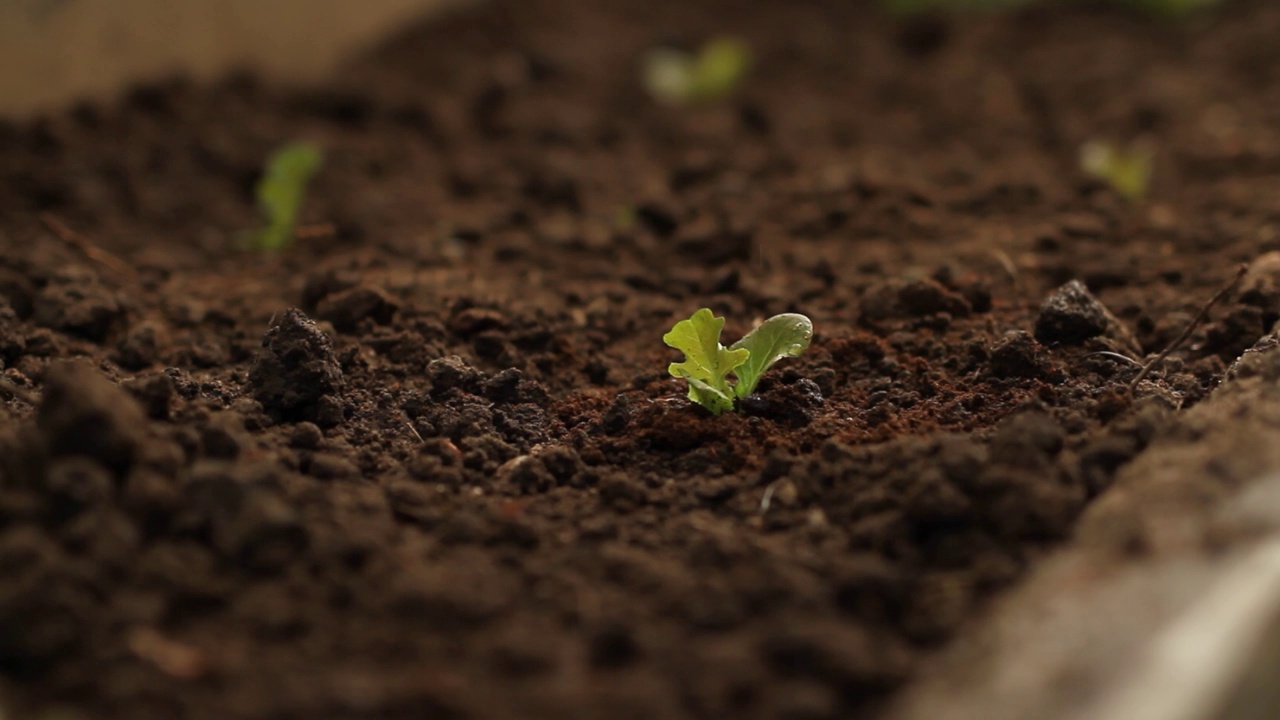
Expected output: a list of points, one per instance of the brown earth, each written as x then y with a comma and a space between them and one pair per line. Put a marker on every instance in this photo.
429, 463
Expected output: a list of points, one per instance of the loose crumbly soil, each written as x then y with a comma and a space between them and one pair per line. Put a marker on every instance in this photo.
427, 462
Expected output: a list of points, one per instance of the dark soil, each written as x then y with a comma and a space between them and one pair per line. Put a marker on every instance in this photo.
428, 464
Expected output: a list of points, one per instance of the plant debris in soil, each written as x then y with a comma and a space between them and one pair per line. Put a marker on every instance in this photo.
430, 463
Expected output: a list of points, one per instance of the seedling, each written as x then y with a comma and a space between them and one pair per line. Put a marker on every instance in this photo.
677, 77
281, 192
708, 364
1126, 169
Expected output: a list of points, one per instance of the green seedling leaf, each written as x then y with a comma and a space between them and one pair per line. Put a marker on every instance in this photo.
711, 398
720, 69
781, 336
707, 363
1125, 169
677, 77
281, 192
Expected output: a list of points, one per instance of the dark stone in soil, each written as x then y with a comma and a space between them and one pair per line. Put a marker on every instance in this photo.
452, 372
296, 370
1071, 315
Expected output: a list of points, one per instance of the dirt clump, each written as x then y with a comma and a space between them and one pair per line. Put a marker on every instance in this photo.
296, 374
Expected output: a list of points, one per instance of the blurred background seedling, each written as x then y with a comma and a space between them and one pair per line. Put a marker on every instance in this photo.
678, 77
281, 192
1126, 168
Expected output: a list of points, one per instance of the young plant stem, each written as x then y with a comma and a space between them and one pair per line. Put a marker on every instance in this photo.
1191, 326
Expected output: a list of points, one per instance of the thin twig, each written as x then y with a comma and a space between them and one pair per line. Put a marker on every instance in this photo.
1116, 356
86, 246
415, 433
1186, 333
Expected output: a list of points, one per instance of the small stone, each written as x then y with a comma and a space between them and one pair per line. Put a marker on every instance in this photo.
295, 369
452, 372
1071, 315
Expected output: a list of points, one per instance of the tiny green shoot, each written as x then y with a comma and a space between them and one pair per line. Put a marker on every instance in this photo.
1127, 169
677, 77
707, 364
281, 192
624, 218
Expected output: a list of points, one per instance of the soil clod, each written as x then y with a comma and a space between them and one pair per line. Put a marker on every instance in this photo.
1072, 315
296, 375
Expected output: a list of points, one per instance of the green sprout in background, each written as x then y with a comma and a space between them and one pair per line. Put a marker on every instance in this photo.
1127, 169
281, 192
677, 77
708, 364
